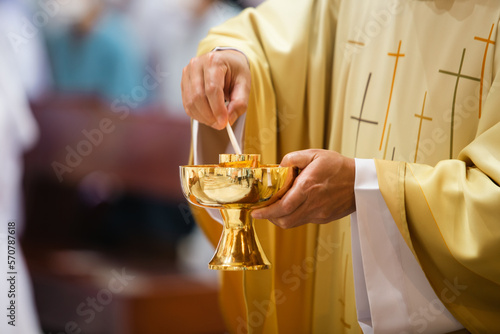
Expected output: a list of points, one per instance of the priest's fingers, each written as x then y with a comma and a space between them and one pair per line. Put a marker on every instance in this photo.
193, 93
228, 69
325, 185
285, 216
227, 74
208, 79
286, 206
215, 77
296, 196
302, 215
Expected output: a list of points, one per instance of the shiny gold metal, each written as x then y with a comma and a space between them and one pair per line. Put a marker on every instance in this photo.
236, 189
239, 160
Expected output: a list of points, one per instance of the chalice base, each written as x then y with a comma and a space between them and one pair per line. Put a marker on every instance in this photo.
238, 248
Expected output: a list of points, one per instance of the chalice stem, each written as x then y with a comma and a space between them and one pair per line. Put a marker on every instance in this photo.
239, 248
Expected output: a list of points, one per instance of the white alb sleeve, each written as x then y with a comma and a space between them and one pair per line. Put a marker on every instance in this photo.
391, 290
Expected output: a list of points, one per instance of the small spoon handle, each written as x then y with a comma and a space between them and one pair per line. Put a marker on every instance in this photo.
234, 142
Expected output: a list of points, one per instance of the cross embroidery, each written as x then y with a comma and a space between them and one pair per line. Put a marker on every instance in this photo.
359, 119
488, 42
422, 117
458, 75
397, 55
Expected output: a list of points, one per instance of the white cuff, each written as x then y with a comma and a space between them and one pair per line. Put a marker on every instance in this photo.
391, 290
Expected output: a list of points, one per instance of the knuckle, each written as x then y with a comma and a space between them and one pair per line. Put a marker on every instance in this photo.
281, 223
287, 158
305, 183
217, 62
240, 105
211, 88
288, 208
198, 95
193, 62
189, 106
189, 102
213, 57
323, 214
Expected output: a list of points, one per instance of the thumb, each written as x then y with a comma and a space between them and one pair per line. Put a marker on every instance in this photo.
298, 159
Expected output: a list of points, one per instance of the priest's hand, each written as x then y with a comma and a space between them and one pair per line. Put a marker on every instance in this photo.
210, 79
322, 192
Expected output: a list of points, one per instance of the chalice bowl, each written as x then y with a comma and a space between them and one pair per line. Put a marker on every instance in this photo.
236, 186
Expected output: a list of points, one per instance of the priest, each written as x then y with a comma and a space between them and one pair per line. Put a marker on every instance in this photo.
391, 111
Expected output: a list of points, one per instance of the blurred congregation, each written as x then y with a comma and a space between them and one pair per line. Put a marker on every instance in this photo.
92, 134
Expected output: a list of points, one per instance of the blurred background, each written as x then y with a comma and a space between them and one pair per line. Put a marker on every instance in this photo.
108, 238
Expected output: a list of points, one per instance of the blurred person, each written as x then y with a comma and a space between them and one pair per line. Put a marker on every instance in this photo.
94, 52
18, 131
30, 56
170, 32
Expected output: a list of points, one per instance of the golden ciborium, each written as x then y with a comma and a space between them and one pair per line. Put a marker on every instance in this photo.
236, 186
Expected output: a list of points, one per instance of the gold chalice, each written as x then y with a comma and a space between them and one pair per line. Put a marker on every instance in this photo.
236, 186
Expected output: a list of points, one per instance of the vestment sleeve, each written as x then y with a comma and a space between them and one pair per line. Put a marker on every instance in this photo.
449, 215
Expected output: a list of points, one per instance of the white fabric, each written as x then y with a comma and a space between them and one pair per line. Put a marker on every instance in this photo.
392, 292
17, 132
26, 41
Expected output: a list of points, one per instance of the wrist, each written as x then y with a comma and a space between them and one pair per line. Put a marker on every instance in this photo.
233, 50
351, 179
